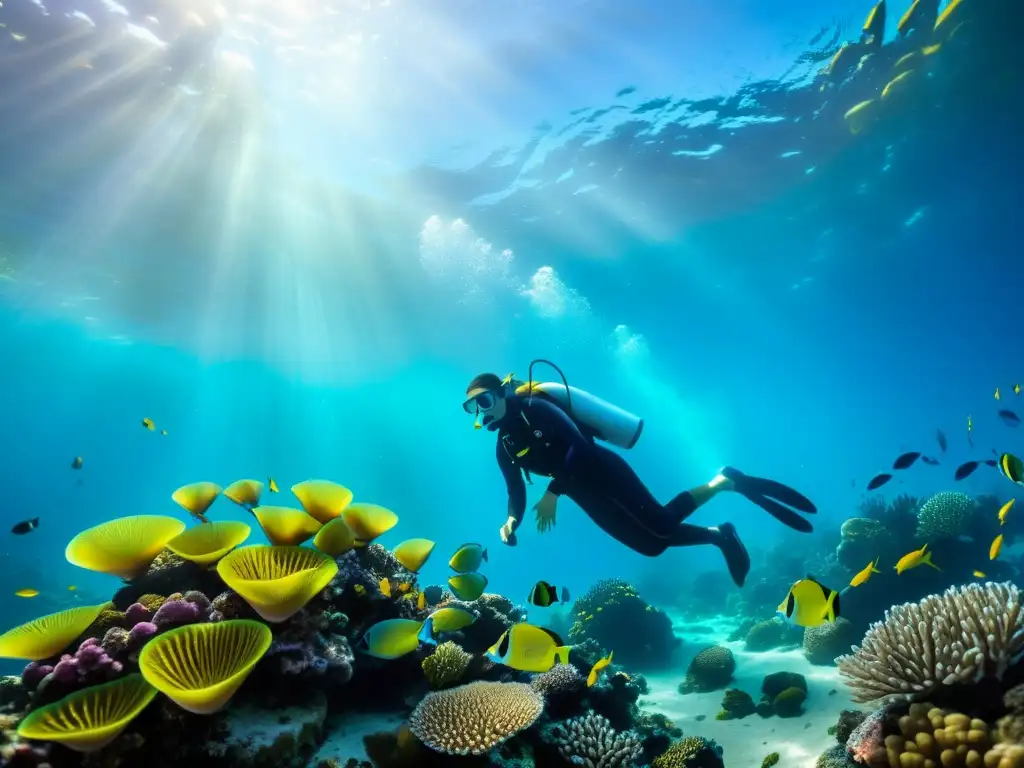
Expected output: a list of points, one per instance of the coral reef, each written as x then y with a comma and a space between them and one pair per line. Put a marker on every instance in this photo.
590, 740
777, 682
770, 634
945, 515
447, 664
736, 705
562, 681
691, 752
251, 736
822, 645
863, 539
709, 670
790, 702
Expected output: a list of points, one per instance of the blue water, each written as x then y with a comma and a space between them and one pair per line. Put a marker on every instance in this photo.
297, 278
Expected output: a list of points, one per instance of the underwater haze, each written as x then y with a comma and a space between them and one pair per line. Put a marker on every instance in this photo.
290, 234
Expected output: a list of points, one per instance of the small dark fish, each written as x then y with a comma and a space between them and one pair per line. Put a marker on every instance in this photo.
906, 460
965, 470
1009, 418
941, 437
25, 526
878, 481
77, 463
544, 594
930, 461
991, 462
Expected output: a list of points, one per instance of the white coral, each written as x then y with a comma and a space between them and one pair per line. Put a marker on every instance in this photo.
590, 741
961, 636
945, 515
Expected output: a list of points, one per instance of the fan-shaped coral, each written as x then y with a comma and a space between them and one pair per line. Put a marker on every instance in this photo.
276, 581
208, 543
123, 547
368, 521
335, 538
472, 719
90, 719
322, 499
245, 493
48, 635
196, 498
200, 666
285, 526
945, 515
963, 635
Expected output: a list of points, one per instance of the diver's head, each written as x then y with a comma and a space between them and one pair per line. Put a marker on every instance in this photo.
485, 399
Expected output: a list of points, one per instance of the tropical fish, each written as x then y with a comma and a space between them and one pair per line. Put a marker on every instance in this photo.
878, 481
77, 463
148, 424
1009, 418
941, 437
930, 461
809, 603
421, 601
966, 470
413, 553
906, 460
468, 558
163, 432
599, 666
1012, 468
544, 594
25, 526
28, 592
468, 586
272, 485
449, 619
865, 574
920, 16
391, 639
997, 545
385, 587
979, 574
970, 428
72, 588
914, 559
997, 394
874, 25
529, 649
359, 589
1005, 510
1016, 389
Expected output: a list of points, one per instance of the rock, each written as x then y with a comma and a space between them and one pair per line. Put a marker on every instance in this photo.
258, 737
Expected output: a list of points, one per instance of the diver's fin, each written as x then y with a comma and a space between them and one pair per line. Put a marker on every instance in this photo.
772, 489
784, 515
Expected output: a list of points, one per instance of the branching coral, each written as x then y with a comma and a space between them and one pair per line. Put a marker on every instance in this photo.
961, 636
945, 515
445, 665
709, 670
591, 741
472, 719
691, 752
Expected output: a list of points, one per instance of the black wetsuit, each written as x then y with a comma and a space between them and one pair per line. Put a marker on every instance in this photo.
538, 437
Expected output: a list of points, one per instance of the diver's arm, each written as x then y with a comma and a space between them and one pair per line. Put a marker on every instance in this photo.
556, 422
514, 483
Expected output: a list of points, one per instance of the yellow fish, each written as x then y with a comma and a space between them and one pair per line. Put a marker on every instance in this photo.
1005, 510
27, 592
72, 588
148, 424
979, 574
970, 425
271, 485
1016, 389
404, 587
421, 601
391, 639
359, 589
529, 649
997, 544
468, 586
997, 394
809, 603
385, 587
468, 558
163, 432
412, 554
446, 620
914, 559
597, 669
865, 574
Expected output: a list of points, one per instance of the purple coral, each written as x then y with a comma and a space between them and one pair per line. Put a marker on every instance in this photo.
136, 613
34, 673
89, 663
141, 632
177, 612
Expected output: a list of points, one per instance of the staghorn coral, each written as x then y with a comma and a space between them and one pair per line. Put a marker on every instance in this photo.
822, 645
691, 752
945, 515
736, 705
590, 740
709, 670
561, 681
961, 636
790, 702
445, 665
472, 719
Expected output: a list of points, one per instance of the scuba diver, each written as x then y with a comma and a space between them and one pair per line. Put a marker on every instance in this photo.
552, 429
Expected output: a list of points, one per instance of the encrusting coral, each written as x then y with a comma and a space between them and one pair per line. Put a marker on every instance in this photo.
591, 741
961, 636
709, 670
445, 665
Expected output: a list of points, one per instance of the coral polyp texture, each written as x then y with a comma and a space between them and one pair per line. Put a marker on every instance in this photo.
445, 665
710, 670
945, 515
473, 719
591, 741
961, 636
691, 752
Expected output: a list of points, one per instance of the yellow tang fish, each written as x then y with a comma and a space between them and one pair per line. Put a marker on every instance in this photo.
421, 601
391, 639
979, 574
271, 485
914, 559
1005, 510
27, 592
405, 586
148, 424
865, 574
1016, 389
809, 603
997, 396
468, 586
468, 558
597, 669
385, 587
529, 649
997, 545
72, 588
445, 620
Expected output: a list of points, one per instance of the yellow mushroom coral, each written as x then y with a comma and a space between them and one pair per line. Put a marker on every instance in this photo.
245, 493
368, 521
200, 666
196, 498
89, 719
334, 538
206, 544
277, 581
286, 526
322, 499
48, 635
123, 547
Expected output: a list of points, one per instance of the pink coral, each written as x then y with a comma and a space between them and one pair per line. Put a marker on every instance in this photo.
136, 613
34, 673
89, 663
141, 632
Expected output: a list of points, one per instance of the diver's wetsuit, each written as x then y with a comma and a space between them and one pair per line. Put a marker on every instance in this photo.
536, 436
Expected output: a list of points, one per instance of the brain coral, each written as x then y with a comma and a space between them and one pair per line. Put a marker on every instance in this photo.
823, 644
944, 516
472, 719
965, 634
710, 669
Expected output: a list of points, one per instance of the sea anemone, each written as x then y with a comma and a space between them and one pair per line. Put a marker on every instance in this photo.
123, 547
286, 526
322, 499
277, 581
206, 544
48, 635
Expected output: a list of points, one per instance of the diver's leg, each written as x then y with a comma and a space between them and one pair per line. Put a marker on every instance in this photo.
687, 502
724, 537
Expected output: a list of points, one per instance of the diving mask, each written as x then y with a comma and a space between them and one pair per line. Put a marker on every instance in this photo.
479, 404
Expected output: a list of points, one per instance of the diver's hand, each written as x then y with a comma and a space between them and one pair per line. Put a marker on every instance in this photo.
508, 532
546, 509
